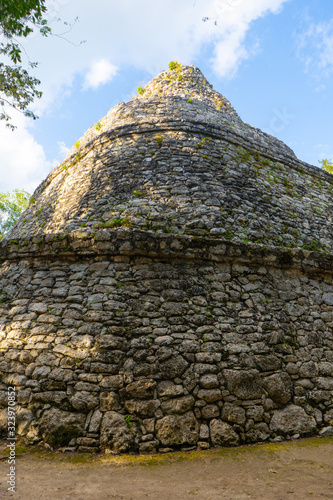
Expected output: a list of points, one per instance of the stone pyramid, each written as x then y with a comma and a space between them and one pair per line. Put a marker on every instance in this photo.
178, 159
170, 285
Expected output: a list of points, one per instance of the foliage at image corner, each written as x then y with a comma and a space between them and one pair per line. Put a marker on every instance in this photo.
327, 165
18, 88
11, 207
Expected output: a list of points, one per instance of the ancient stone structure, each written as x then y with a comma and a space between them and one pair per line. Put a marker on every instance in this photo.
170, 284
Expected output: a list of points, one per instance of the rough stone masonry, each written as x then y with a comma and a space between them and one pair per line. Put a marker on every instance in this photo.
170, 284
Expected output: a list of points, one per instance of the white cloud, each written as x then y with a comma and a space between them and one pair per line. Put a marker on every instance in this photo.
100, 72
315, 49
145, 35
23, 162
233, 19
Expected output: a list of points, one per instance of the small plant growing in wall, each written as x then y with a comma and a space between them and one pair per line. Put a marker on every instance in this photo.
140, 90
118, 222
98, 126
219, 104
128, 421
159, 139
174, 65
137, 194
4, 296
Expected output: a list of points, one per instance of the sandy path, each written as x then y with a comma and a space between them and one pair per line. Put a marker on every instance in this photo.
294, 470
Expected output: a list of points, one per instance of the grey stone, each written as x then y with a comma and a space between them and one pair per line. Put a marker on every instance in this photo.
326, 432
116, 433
142, 408
210, 411
173, 367
209, 381
291, 420
142, 389
210, 395
222, 434
279, 387
166, 388
178, 405
234, 414
58, 427
178, 430
110, 401
83, 401
95, 421
244, 384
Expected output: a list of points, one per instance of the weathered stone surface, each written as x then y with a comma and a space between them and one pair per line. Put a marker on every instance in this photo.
222, 434
58, 427
279, 387
173, 431
245, 384
209, 381
292, 420
84, 401
178, 405
142, 408
260, 432
210, 411
116, 434
234, 414
142, 389
95, 421
4, 422
173, 367
109, 401
210, 395
166, 388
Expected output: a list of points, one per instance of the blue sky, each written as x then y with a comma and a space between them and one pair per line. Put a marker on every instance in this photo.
273, 59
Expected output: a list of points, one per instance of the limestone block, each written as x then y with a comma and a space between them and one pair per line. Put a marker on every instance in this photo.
178, 405
116, 433
209, 381
244, 384
178, 430
204, 431
292, 420
210, 395
141, 389
328, 417
166, 388
95, 421
222, 434
112, 382
308, 370
83, 401
279, 387
234, 414
173, 367
142, 408
210, 411
58, 427
260, 432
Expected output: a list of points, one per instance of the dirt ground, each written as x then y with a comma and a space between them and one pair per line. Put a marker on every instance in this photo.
291, 470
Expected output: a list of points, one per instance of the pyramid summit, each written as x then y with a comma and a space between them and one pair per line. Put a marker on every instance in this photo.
176, 156
170, 284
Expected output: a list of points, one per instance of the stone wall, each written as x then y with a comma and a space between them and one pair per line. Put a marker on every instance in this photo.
124, 340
